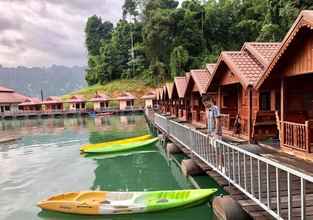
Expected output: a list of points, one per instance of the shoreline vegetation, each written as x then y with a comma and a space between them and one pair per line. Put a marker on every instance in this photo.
113, 89
157, 40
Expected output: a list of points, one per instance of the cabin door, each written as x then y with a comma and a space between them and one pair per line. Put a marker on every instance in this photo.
2, 108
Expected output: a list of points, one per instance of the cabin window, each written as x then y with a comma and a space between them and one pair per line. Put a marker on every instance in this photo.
265, 101
102, 104
77, 106
7, 108
83, 105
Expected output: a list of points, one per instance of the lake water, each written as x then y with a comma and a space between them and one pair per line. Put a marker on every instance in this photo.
47, 161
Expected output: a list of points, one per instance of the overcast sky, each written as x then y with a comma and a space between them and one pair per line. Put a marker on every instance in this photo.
45, 32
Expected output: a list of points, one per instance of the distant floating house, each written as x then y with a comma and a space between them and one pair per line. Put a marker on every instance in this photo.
10, 99
31, 104
150, 99
126, 100
53, 103
77, 102
100, 101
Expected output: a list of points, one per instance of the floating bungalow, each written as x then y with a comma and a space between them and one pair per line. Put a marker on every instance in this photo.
287, 87
180, 86
196, 88
100, 101
77, 103
30, 104
150, 99
169, 99
126, 101
53, 103
234, 79
9, 100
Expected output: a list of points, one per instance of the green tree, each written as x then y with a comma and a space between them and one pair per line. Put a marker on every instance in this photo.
179, 59
96, 31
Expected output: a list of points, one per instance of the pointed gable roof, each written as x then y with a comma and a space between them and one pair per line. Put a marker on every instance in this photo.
180, 83
76, 99
125, 96
169, 88
304, 20
201, 78
52, 100
210, 67
9, 96
31, 101
100, 97
249, 63
149, 95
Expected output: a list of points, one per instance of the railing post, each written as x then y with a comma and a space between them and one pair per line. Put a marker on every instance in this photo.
307, 136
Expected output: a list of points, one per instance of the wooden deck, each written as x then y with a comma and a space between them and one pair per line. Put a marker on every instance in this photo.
267, 183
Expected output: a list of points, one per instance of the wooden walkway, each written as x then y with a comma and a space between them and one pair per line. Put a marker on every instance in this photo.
65, 113
267, 183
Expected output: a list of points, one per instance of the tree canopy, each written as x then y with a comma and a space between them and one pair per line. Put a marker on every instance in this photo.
159, 39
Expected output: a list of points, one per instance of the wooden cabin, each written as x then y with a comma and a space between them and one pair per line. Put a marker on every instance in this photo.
30, 104
126, 101
9, 100
180, 86
170, 102
76, 103
100, 101
196, 87
150, 99
287, 85
165, 100
53, 103
234, 79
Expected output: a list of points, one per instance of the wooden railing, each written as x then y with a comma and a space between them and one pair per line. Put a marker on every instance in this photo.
225, 121
296, 135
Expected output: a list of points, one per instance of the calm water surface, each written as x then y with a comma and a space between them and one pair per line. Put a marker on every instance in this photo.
47, 161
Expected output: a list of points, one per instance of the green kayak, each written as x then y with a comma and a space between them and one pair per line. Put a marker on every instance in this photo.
109, 203
122, 147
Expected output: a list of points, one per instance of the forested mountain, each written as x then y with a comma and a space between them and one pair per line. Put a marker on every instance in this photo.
54, 80
169, 38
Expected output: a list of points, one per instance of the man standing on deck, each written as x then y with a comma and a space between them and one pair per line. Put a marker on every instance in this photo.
214, 125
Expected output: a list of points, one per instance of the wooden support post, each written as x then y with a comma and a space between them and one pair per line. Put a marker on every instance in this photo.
273, 100
250, 114
219, 98
282, 110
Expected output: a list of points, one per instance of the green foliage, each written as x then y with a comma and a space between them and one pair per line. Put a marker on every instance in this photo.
96, 31
165, 39
179, 59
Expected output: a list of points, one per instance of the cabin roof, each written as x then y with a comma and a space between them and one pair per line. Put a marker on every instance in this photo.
201, 78
210, 67
52, 100
76, 99
9, 96
100, 97
304, 20
249, 63
4, 89
180, 85
125, 96
169, 88
31, 101
262, 51
149, 95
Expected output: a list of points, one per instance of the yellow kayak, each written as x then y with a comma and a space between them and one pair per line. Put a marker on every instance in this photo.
108, 203
110, 143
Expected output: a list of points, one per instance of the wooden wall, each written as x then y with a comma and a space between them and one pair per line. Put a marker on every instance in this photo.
298, 59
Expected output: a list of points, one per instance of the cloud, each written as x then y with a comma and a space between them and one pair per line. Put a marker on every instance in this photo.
45, 32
